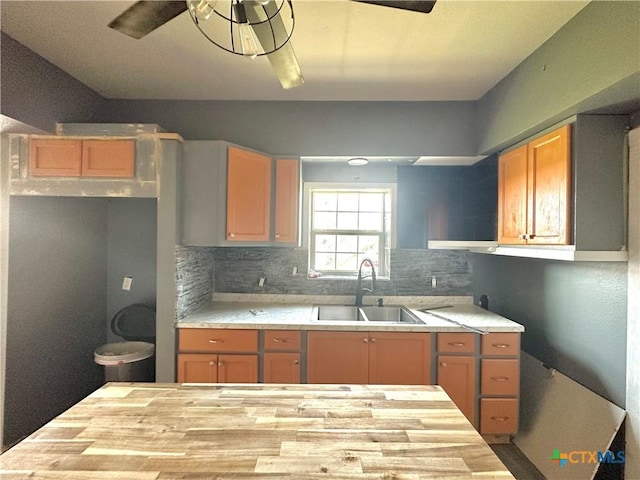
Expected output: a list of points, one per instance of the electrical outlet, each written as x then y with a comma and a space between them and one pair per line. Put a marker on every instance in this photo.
434, 282
294, 270
127, 281
261, 282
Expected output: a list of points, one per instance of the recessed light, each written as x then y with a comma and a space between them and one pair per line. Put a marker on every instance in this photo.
357, 162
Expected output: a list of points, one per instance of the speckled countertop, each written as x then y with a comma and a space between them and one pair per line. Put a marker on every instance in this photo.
296, 311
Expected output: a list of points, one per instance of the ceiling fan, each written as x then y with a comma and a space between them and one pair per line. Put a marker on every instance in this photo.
262, 16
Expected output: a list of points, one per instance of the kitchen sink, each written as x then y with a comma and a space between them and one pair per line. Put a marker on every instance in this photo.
350, 313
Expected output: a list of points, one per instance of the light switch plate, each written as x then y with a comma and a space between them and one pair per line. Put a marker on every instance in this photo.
127, 281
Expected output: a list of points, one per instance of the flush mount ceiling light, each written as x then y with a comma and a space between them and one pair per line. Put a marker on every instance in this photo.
249, 28
357, 161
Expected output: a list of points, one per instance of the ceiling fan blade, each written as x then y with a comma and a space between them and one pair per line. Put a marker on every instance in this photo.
283, 61
423, 6
143, 17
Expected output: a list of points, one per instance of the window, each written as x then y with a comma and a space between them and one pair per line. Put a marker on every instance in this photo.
347, 225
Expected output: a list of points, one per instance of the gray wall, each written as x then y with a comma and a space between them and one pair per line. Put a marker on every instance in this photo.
314, 128
574, 314
131, 250
592, 62
38, 93
56, 307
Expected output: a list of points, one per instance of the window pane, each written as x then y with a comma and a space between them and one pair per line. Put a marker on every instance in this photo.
347, 221
325, 243
346, 261
347, 243
325, 261
369, 245
324, 221
324, 201
370, 221
371, 202
348, 202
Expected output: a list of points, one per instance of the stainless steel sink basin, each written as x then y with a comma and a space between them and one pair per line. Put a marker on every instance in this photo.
394, 314
350, 313
344, 313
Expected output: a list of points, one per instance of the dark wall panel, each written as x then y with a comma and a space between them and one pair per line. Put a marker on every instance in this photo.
574, 314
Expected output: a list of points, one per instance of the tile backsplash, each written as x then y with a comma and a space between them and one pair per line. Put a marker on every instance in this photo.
202, 270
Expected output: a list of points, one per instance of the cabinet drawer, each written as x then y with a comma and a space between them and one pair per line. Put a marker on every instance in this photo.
500, 377
501, 344
498, 416
278, 340
456, 342
217, 340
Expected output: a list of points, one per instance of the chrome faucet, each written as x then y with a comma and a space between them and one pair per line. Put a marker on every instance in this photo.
360, 290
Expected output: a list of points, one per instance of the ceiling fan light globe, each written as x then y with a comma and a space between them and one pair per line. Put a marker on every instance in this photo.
202, 9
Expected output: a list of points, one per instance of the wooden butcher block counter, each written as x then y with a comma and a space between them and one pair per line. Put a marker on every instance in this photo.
256, 431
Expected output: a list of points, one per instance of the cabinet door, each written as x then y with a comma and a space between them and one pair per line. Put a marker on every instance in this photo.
457, 376
197, 368
108, 158
237, 368
55, 158
549, 187
512, 196
281, 368
399, 358
337, 357
248, 195
287, 194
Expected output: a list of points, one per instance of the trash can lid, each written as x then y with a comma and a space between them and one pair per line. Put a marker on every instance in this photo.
123, 352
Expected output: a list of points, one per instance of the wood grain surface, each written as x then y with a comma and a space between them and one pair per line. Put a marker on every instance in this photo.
256, 431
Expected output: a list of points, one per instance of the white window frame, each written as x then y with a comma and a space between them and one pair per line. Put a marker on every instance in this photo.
306, 213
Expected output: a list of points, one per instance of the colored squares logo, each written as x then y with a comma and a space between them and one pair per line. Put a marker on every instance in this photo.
559, 458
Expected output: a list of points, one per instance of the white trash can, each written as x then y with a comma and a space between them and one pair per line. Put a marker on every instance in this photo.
127, 361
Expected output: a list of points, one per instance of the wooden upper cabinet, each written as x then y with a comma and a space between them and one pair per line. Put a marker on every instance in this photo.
549, 187
512, 196
534, 191
55, 158
248, 195
87, 158
108, 158
286, 208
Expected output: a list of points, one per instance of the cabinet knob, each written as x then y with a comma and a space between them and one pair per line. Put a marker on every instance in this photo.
212, 364
231, 235
277, 235
522, 236
443, 364
220, 364
365, 340
373, 340
296, 362
214, 340
531, 236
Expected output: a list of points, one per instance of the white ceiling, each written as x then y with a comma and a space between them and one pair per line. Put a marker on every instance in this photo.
347, 50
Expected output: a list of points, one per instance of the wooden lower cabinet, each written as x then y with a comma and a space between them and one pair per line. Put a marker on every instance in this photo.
337, 357
457, 376
281, 367
217, 368
368, 357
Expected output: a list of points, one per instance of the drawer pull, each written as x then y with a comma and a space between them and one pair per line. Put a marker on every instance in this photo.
500, 345
500, 419
296, 362
457, 344
214, 340
281, 340
500, 379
